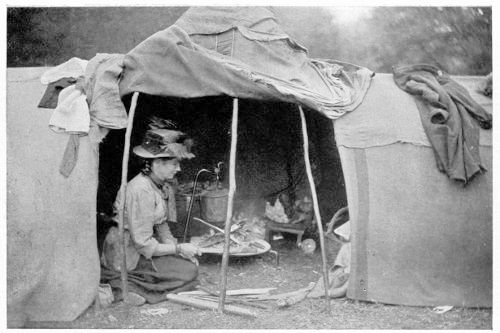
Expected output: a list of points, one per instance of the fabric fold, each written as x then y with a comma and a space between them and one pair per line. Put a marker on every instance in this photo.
74, 68
72, 112
70, 156
250, 59
450, 117
50, 97
102, 75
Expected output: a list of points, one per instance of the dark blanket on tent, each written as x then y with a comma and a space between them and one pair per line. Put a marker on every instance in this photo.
447, 112
152, 279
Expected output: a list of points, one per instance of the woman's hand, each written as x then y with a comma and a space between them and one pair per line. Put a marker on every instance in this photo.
189, 251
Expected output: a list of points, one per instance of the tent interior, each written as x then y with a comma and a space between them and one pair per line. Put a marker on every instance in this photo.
269, 155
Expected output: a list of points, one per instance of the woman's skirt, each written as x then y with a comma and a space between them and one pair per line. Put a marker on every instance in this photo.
154, 278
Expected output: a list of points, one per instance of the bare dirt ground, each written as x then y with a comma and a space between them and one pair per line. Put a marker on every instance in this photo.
295, 270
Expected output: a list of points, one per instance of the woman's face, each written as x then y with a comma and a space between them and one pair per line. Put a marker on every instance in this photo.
165, 168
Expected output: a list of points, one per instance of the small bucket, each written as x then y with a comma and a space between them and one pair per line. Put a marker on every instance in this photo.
214, 205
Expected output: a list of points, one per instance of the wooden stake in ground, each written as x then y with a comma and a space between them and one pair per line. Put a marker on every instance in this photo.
229, 214
123, 187
315, 203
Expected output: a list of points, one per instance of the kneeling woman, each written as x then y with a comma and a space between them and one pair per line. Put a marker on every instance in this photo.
156, 263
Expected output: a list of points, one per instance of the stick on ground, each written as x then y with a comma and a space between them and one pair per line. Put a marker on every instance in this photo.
205, 304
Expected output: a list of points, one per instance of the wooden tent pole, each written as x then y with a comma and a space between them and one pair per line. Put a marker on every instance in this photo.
123, 188
316, 205
229, 214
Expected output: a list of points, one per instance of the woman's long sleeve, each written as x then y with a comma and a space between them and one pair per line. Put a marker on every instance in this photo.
141, 220
164, 234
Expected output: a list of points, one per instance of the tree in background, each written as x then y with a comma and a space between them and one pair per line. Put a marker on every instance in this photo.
311, 27
36, 36
456, 39
117, 29
50, 36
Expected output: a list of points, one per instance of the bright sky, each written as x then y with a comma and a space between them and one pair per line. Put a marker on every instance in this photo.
346, 15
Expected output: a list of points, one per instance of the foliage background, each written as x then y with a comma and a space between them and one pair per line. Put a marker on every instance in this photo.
456, 39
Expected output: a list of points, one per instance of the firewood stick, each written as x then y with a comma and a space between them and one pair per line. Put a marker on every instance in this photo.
234, 300
249, 291
234, 292
204, 304
305, 290
121, 233
238, 292
315, 203
229, 214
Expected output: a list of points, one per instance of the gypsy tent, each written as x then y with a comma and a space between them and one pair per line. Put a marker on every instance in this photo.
53, 267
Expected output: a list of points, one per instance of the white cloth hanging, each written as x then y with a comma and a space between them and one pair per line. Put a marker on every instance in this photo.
74, 67
72, 112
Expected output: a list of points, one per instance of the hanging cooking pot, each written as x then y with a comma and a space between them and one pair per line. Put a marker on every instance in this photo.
214, 205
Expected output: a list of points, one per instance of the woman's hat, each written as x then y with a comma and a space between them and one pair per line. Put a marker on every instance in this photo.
164, 143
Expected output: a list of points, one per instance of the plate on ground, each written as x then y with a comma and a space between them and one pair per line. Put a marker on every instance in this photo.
244, 250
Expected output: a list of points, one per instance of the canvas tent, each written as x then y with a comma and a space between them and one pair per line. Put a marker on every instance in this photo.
52, 261
53, 267
418, 238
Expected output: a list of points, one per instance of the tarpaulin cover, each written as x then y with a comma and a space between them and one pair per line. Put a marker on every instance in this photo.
52, 259
418, 238
240, 52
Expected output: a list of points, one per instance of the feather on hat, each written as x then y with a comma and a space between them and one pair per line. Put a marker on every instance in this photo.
164, 143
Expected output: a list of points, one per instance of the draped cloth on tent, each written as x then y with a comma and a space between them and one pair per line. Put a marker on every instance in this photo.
240, 52
450, 117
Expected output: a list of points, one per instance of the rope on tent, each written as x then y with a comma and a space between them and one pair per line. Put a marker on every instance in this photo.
229, 212
123, 187
315, 203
